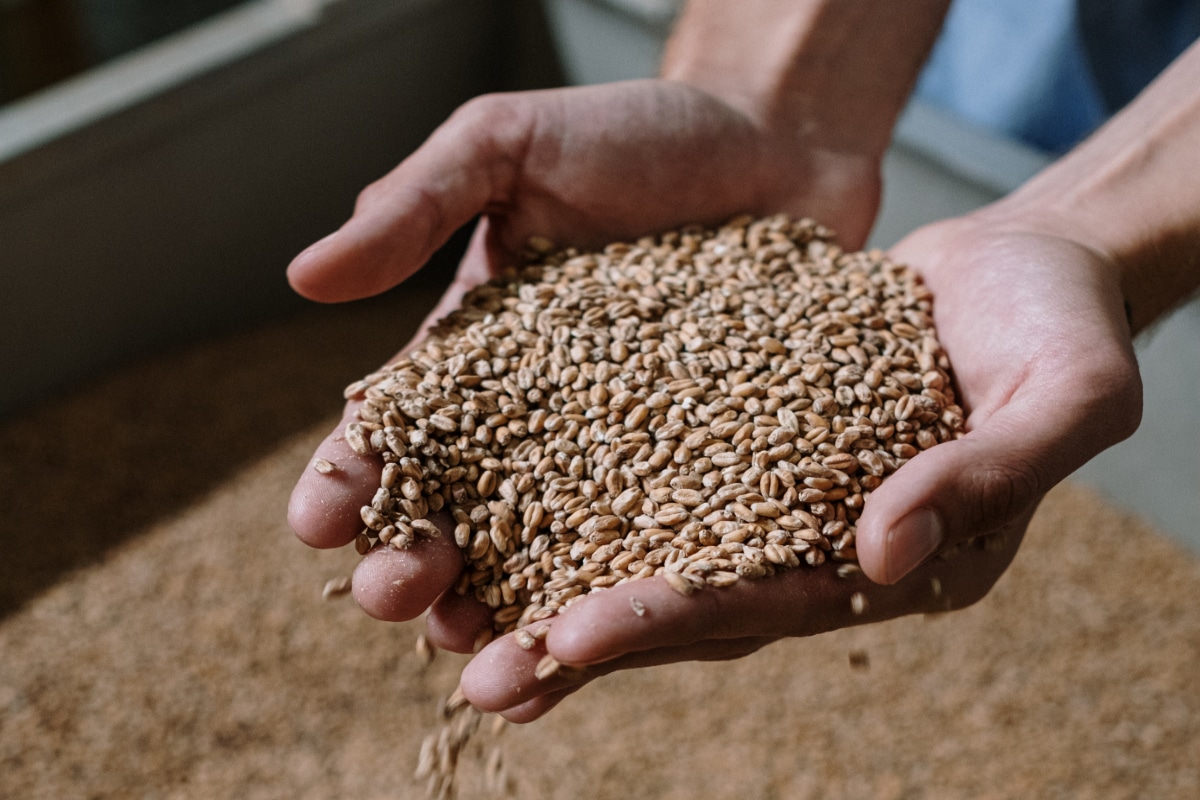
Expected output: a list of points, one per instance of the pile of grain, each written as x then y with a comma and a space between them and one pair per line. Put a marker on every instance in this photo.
703, 405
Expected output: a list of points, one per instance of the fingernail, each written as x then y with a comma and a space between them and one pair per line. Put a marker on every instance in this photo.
911, 541
309, 251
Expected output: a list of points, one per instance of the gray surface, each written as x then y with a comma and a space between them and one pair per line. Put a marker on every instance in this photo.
917, 190
597, 43
174, 216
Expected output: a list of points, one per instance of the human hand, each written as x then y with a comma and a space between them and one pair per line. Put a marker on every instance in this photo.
1035, 325
584, 166
1029, 306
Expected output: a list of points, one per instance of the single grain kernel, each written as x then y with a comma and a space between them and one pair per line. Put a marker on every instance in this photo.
858, 604
547, 667
425, 650
336, 587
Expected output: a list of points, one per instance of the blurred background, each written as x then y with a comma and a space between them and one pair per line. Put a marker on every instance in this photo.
162, 160
45, 41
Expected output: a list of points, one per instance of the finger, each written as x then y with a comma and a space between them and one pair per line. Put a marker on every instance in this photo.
980, 483
456, 621
396, 585
469, 163
324, 506
503, 677
539, 706
797, 602
649, 615
503, 674
607, 632
715, 650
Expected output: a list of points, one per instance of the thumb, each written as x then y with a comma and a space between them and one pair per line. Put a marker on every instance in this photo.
975, 485
467, 166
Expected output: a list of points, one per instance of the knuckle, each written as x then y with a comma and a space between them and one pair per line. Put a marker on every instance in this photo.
487, 115
370, 197
1004, 490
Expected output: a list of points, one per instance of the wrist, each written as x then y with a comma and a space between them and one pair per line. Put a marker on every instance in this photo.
1125, 193
834, 73
1047, 215
1149, 253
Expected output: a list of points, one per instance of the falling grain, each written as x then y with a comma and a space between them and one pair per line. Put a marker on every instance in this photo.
336, 587
858, 604
425, 650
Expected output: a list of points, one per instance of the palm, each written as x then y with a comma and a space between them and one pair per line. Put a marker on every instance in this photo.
1028, 321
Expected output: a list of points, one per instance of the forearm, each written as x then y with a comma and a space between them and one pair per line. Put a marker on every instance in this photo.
838, 71
1132, 193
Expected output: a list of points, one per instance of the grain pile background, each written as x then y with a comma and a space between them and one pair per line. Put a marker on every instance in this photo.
163, 635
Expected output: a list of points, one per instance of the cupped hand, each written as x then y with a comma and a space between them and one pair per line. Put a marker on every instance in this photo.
1034, 325
1032, 321
582, 166
585, 166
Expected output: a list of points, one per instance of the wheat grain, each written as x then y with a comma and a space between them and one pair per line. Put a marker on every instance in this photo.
704, 406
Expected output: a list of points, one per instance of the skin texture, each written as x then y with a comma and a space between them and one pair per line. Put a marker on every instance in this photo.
1030, 306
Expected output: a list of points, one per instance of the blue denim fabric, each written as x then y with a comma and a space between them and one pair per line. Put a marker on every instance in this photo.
1048, 72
